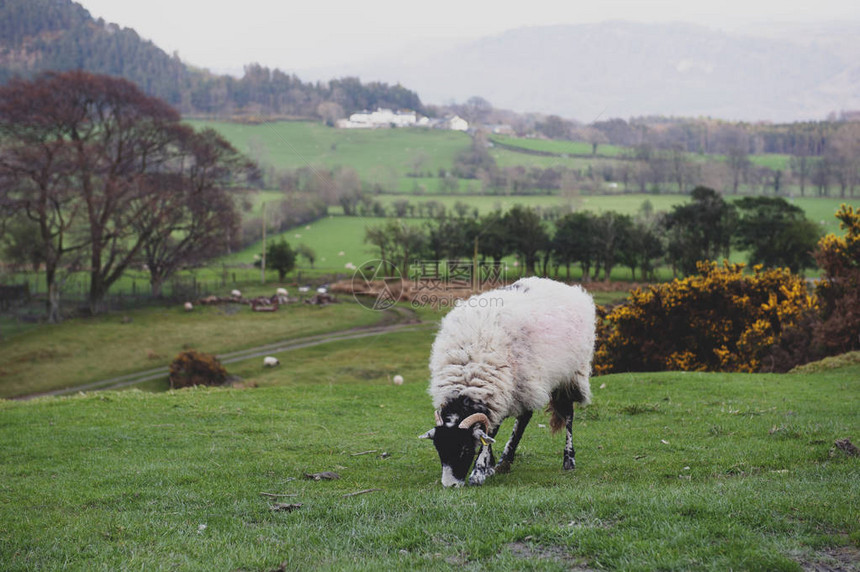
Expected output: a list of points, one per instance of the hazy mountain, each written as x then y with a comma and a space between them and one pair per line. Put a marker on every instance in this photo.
622, 69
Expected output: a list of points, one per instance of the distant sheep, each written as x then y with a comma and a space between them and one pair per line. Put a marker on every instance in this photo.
281, 292
189, 306
236, 293
507, 353
270, 361
397, 379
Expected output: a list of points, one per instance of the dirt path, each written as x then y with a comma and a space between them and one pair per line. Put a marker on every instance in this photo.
250, 353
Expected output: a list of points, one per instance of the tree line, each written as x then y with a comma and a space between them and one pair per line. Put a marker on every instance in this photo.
647, 168
770, 230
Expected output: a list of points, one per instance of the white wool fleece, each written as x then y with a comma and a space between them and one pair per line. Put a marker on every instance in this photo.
510, 348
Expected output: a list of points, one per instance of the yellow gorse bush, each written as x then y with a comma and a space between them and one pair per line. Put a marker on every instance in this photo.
718, 320
839, 289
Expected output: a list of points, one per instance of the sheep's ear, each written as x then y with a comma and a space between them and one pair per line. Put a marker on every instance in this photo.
429, 434
482, 436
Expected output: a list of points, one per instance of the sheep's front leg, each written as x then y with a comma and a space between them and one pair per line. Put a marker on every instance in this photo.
504, 465
569, 452
483, 466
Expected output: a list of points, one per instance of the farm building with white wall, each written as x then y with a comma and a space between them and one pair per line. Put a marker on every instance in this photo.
382, 118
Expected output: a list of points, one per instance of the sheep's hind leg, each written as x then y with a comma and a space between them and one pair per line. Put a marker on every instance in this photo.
504, 465
569, 452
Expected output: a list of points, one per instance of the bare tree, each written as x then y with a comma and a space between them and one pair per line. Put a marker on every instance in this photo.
197, 217
330, 112
843, 154
739, 164
801, 168
84, 156
347, 188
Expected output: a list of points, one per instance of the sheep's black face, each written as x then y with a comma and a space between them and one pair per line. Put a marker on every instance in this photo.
456, 448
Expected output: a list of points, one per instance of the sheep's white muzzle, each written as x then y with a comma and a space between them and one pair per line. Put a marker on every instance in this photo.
448, 478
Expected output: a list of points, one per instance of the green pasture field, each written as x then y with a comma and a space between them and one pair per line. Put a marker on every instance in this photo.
328, 237
771, 160
379, 155
83, 350
509, 158
675, 471
558, 147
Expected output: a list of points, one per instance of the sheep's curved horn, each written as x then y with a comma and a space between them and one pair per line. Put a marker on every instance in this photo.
438, 418
475, 418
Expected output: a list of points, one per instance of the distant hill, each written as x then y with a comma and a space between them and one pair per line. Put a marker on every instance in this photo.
40, 35
623, 69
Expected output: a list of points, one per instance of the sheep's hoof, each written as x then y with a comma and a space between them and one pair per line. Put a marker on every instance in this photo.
503, 467
478, 477
569, 464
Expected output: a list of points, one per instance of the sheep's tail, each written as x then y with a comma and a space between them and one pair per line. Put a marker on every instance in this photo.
561, 403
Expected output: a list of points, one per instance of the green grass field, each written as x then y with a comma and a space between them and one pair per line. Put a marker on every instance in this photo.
675, 471
558, 147
78, 351
328, 237
383, 155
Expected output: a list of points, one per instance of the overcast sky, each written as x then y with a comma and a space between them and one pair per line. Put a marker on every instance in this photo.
224, 35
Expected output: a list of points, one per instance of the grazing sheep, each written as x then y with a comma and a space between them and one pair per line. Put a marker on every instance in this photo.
189, 306
507, 353
236, 294
270, 361
398, 380
281, 292
322, 290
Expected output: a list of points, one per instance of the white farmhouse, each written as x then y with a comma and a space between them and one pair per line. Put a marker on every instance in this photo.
379, 118
457, 123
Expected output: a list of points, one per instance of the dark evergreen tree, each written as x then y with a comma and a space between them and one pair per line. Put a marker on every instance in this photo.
775, 233
699, 230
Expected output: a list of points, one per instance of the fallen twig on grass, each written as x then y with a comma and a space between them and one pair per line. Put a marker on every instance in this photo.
277, 495
363, 453
356, 493
289, 507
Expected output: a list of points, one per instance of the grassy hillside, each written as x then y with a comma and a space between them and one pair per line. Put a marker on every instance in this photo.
384, 156
675, 471
86, 350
